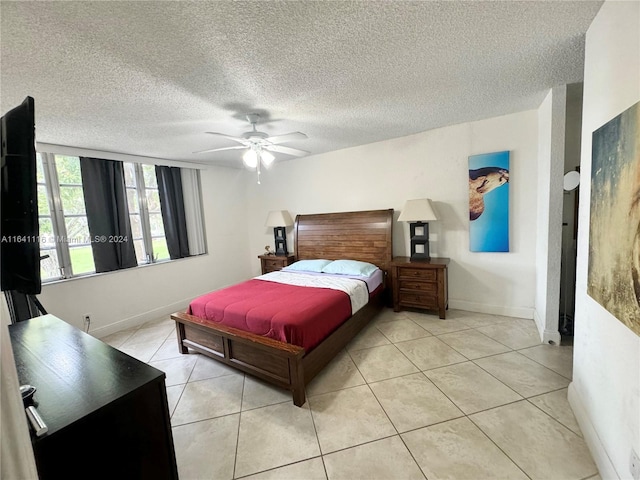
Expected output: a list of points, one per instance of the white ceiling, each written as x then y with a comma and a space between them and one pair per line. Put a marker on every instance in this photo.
149, 78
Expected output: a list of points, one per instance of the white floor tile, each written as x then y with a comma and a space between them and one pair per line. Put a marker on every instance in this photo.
208, 368
556, 358
275, 436
557, 405
382, 459
177, 370
206, 449
367, 338
340, 373
307, 469
210, 398
413, 401
471, 388
173, 395
540, 445
473, 344
430, 352
523, 375
515, 334
379, 363
437, 326
258, 393
457, 449
348, 417
402, 330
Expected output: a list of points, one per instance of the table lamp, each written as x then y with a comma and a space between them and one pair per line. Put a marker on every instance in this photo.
279, 220
418, 212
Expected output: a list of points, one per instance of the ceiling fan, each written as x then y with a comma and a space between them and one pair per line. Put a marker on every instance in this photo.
259, 145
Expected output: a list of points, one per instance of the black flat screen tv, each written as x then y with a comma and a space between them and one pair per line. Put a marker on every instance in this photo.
19, 230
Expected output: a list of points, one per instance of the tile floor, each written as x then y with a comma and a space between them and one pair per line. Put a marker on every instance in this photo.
474, 396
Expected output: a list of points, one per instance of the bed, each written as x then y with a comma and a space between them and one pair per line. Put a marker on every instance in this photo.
364, 236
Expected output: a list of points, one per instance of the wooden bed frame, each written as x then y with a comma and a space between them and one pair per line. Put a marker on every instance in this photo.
364, 236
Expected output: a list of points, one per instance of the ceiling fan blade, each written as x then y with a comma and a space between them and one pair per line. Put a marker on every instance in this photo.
288, 150
221, 149
287, 137
230, 137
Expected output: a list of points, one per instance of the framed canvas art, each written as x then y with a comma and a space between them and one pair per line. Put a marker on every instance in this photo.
489, 202
614, 225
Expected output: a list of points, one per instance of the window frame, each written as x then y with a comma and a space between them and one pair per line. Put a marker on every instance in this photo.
143, 207
62, 244
57, 215
51, 217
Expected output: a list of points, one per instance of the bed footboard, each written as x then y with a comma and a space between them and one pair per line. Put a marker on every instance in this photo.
279, 363
276, 362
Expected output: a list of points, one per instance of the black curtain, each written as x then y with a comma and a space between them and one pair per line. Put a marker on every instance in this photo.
172, 206
105, 199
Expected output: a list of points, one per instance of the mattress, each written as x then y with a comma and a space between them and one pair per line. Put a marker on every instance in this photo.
285, 309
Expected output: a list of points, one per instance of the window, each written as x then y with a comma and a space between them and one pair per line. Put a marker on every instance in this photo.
49, 266
145, 214
64, 233
74, 216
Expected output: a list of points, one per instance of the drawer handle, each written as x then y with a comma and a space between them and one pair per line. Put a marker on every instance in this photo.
38, 425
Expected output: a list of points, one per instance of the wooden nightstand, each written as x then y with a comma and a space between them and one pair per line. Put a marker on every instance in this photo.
421, 284
271, 263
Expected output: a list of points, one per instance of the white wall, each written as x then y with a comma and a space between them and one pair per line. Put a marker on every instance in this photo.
431, 164
120, 299
605, 393
551, 127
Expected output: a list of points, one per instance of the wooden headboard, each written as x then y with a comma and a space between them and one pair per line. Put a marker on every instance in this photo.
364, 236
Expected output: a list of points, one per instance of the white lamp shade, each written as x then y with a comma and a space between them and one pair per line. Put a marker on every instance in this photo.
267, 158
278, 218
419, 210
250, 158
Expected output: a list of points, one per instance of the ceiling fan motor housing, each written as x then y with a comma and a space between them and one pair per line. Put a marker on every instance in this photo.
255, 135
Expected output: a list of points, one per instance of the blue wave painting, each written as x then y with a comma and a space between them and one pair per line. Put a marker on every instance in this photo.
489, 202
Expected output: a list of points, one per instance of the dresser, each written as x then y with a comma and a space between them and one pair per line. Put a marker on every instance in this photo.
420, 284
106, 412
271, 263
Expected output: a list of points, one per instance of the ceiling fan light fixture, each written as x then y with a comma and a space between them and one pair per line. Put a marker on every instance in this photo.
257, 143
267, 158
250, 158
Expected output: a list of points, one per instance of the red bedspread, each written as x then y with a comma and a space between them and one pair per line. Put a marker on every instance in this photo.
301, 316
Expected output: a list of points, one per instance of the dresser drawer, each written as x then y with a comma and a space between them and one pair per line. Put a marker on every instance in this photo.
419, 273
424, 300
272, 265
422, 286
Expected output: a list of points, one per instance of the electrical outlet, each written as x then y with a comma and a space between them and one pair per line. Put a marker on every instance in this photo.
87, 321
634, 465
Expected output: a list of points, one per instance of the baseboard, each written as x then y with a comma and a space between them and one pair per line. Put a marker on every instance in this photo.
518, 312
137, 320
598, 452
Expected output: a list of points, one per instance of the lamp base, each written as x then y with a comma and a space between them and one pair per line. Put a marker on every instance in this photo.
419, 242
280, 237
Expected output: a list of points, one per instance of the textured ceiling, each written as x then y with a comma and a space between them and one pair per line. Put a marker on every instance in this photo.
149, 78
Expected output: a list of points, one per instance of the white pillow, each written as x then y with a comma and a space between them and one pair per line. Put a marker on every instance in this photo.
307, 266
350, 267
